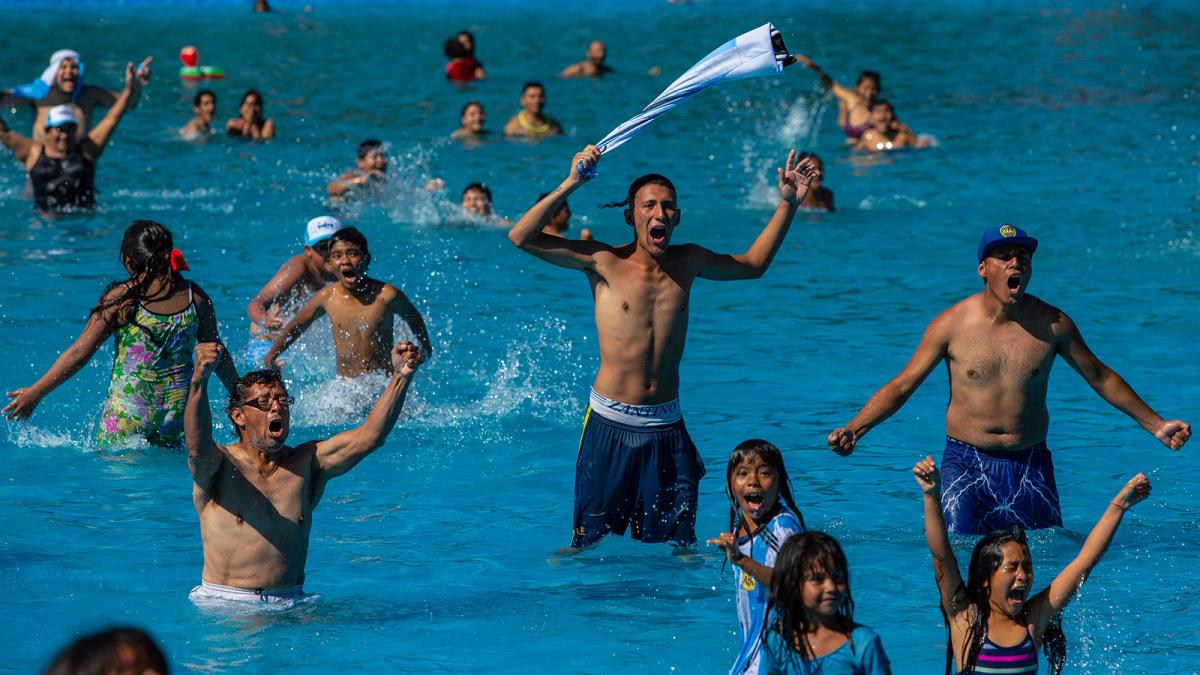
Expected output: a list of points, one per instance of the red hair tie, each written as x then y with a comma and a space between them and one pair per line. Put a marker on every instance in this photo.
178, 264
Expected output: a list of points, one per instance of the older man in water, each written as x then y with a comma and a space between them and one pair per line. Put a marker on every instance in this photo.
999, 345
255, 497
637, 463
592, 66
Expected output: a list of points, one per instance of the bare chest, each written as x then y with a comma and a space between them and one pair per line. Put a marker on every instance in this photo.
634, 297
1009, 355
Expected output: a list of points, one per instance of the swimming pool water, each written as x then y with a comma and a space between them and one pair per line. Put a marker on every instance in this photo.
1076, 122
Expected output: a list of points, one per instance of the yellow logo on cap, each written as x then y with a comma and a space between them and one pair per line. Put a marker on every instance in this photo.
1008, 231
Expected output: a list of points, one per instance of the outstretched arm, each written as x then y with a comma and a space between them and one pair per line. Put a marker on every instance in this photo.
204, 458
526, 234
945, 565
337, 455
18, 144
843, 93
99, 326
286, 278
99, 136
1114, 389
403, 307
296, 327
1047, 604
207, 332
892, 396
794, 179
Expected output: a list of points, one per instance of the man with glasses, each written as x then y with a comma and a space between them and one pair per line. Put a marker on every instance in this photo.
255, 497
294, 283
62, 170
999, 345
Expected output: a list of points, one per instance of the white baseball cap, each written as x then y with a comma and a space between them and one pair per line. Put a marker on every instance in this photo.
60, 115
321, 228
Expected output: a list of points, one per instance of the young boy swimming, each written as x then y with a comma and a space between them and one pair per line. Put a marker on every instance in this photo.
361, 310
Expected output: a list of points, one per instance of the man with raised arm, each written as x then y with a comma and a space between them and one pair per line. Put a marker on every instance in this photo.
255, 497
999, 345
637, 465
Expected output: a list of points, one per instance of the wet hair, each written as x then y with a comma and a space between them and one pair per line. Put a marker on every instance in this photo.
642, 181
798, 556
200, 97
146, 250
350, 235
455, 49
471, 37
769, 453
985, 560
267, 376
467, 106
253, 92
367, 146
124, 650
530, 84
481, 187
870, 75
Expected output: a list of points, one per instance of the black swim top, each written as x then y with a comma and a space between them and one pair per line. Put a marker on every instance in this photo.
63, 182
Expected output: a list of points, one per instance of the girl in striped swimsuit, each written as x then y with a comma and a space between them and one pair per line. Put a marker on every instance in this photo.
994, 626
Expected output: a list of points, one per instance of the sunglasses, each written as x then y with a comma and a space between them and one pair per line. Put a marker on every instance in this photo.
263, 403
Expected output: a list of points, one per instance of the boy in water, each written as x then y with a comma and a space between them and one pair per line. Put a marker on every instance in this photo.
293, 284
204, 105
360, 308
370, 170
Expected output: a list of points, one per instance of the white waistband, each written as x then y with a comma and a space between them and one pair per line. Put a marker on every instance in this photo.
211, 590
657, 415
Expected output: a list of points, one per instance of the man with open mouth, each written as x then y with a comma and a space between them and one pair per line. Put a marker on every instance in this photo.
999, 345
255, 497
637, 464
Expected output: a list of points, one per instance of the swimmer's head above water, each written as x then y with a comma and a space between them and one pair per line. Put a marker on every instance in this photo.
869, 85
651, 208
1006, 262
371, 156
260, 409
349, 257
755, 480
472, 117
477, 199
204, 105
533, 97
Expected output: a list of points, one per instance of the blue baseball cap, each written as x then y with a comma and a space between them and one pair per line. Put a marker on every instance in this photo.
1005, 235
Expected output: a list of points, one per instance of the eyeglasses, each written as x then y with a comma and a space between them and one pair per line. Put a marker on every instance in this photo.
263, 403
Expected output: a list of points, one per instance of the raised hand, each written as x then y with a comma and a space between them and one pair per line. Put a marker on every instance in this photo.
24, 400
842, 441
795, 177
1134, 491
583, 164
1173, 433
927, 475
208, 354
143, 70
406, 358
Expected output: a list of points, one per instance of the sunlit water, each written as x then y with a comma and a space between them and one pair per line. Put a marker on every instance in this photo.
437, 553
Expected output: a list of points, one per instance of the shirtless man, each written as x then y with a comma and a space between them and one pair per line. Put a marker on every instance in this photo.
593, 66
255, 497
531, 122
999, 345
294, 283
636, 461
370, 170
62, 84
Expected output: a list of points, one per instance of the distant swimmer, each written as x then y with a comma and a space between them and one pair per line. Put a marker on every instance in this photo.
560, 221
62, 84
470, 122
370, 172
204, 109
637, 464
886, 132
854, 105
998, 346
62, 170
531, 122
819, 197
156, 317
293, 285
461, 66
251, 121
477, 201
994, 621
255, 498
592, 66
361, 311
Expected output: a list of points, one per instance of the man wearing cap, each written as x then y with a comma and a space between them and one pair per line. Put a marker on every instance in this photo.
62, 170
293, 284
999, 345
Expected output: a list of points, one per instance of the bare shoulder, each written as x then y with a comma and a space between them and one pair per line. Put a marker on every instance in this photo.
1060, 324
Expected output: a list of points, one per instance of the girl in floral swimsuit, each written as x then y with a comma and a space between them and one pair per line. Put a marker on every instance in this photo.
156, 317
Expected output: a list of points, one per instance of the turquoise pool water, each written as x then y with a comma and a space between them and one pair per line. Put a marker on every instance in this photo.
1076, 122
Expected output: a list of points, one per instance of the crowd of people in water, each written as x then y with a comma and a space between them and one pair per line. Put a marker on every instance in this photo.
638, 469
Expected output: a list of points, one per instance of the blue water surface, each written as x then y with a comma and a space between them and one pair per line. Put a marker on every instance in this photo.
1076, 122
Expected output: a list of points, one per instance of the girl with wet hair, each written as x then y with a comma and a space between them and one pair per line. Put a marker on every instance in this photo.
756, 480
810, 627
157, 317
991, 621
251, 121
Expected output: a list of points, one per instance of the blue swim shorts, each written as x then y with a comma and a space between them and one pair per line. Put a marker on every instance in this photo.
644, 476
985, 491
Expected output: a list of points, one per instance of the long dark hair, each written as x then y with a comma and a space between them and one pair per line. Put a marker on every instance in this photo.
124, 649
765, 450
985, 560
146, 250
798, 556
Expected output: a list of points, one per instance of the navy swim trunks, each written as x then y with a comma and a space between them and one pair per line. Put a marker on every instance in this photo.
986, 491
635, 473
